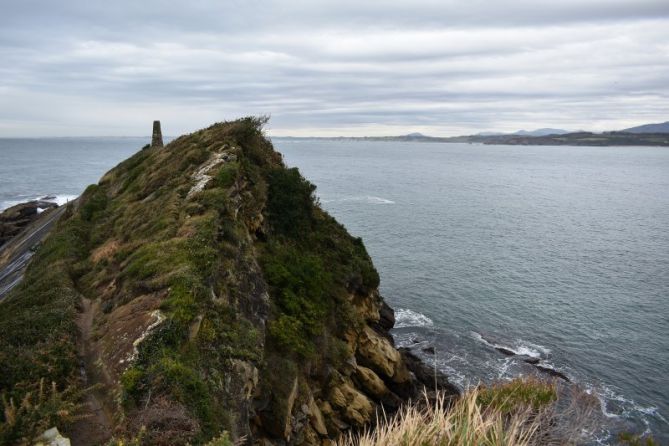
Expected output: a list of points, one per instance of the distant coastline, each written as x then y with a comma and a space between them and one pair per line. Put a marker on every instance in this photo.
566, 139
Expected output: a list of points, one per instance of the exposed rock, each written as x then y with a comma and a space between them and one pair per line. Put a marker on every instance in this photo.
15, 218
52, 437
371, 383
429, 350
425, 375
248, 377
531, 360
354, 405
387, 316
505, 351
316, 417
380, 355
552, 372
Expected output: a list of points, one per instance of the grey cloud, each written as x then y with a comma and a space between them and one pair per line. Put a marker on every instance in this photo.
322, 67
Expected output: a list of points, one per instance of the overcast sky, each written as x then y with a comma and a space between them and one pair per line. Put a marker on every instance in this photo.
344, 67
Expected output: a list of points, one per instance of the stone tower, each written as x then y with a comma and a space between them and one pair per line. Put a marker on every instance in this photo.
157, 138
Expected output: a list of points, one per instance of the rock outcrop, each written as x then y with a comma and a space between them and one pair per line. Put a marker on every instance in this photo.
14, 219
217, 296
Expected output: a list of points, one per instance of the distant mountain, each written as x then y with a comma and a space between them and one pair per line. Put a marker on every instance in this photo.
575, 139
489, 134
649, 128
541, 132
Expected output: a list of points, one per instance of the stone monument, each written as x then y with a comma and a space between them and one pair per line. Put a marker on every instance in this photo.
157, 138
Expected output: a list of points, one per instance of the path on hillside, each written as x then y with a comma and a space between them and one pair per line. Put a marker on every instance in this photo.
97, 424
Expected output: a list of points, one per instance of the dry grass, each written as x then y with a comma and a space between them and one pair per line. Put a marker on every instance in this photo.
523, 412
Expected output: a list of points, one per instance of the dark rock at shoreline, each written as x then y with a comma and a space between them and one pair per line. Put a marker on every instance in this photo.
429, 350
552, 372
505, 351
387, 316
425, 374
15, 218
531, 360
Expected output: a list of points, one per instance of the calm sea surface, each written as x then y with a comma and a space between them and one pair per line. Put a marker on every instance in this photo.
558, 253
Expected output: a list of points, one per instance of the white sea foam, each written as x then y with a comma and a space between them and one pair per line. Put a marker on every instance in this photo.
521, 347
409, 318
60, 199
530, 349
526, 351
362, 199
57, 199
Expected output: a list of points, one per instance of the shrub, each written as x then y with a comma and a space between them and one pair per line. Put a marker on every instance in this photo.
290, 202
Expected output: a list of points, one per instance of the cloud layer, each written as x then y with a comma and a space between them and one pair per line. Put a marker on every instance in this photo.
334, 67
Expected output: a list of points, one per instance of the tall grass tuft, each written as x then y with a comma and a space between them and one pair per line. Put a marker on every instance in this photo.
39, 410
523, 412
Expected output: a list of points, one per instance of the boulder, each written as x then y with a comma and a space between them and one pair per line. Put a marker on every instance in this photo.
352, 404
370, 382
15, 218
377, 353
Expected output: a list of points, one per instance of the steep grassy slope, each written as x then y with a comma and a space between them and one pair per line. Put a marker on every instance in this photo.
200, 288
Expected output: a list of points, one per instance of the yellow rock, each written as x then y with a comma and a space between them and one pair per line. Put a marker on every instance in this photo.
371, 382
316, 418
355, 406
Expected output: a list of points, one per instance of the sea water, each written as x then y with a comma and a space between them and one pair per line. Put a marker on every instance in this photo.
555, 253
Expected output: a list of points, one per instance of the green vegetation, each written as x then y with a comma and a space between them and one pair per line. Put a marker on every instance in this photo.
291, 202
519, 393
628, 439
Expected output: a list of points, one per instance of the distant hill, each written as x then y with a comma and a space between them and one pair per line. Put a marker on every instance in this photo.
541, 132
646, 135
649, 128
577, 139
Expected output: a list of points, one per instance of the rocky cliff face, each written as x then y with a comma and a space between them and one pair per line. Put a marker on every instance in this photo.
200, 288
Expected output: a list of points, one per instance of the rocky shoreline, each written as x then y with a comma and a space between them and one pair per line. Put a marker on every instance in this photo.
14, 219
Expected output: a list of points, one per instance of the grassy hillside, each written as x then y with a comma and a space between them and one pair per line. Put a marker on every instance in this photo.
180, 285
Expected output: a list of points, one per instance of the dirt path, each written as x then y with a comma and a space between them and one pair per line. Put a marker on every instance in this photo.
96, 427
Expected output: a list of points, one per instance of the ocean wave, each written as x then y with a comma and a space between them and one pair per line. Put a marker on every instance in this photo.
626, 407
57, 199
409, 318
363, 199
60, 199
520, 347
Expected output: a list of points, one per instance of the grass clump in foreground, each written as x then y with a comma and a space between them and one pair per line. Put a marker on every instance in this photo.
522, 412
